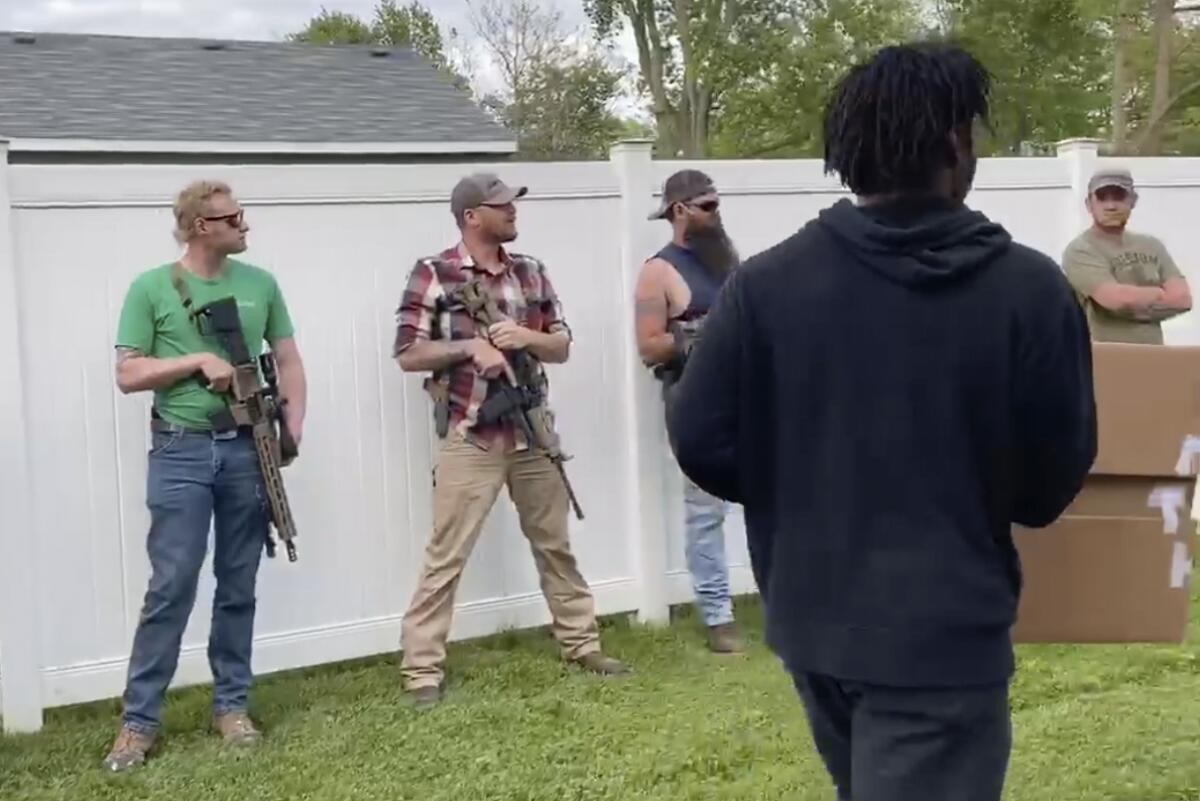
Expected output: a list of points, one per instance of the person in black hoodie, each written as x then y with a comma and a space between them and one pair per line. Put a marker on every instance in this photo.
885, 392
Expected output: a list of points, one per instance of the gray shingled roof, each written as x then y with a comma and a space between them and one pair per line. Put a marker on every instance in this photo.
74, 86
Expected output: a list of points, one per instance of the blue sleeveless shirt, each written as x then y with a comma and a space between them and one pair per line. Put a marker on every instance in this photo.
704, 287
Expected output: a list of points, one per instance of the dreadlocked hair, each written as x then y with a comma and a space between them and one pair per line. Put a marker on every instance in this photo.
887, 123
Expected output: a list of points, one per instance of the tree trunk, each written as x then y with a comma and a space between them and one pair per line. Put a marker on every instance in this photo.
700, 118
1021, 134
1126, 9
1164, 35
692, 140
1154, 122
651, 65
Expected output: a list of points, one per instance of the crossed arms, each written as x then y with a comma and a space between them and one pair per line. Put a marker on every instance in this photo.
1145, 304
1092, 277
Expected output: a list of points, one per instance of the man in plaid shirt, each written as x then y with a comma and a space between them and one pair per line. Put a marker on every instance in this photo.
436, 334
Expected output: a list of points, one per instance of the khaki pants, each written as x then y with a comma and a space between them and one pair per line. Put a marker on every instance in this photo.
467, 481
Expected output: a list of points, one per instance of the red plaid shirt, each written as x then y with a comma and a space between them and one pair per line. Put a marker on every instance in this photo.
522, 291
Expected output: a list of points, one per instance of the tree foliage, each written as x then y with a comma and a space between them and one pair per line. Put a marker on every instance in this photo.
393, 25
691, 54
1049, 62
776, 111
557, 92
1162, 96
750, 78
565, 112
334, 27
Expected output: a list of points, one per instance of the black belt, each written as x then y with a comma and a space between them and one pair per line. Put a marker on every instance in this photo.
162, 426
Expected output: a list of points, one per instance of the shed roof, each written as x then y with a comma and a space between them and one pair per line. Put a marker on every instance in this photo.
90, 92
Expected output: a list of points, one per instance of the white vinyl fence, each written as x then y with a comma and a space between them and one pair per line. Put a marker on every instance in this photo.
341, 239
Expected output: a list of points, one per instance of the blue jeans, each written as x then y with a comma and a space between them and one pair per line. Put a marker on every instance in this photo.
195, 478
704, 547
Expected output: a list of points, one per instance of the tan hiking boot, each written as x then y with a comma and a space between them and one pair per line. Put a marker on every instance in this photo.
724, 639
129, 750
597, 662
237, 729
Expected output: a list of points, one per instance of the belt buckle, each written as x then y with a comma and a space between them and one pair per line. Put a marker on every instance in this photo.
227, 434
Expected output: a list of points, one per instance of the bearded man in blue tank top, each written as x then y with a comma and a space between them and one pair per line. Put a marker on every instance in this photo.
675, 289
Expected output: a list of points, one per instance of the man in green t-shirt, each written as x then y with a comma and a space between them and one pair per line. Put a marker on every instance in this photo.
1127, 281
199, 474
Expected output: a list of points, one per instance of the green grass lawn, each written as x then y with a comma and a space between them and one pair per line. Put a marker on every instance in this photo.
1097, 722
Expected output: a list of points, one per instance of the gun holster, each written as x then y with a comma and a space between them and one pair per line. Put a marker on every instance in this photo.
441, 405
222, 420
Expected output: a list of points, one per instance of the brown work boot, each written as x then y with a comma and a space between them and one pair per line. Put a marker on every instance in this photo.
129, 750
237, 729
597, 662
724, 639
426, 697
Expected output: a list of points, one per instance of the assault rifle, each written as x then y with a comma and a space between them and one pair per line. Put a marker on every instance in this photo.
256, 404
524, 403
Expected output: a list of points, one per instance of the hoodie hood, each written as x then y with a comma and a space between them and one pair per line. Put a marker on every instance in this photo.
921, 241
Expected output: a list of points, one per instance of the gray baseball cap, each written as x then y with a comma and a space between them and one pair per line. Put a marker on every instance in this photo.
680, 187
1111, 176
480, 189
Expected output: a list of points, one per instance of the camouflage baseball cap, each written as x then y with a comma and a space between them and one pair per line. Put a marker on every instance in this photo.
1111, 176
682, 186
480, 189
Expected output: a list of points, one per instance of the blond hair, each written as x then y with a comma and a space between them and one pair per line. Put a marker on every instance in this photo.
192, 203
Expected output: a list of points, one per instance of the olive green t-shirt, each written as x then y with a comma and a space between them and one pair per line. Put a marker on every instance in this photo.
1138, 259
154, 322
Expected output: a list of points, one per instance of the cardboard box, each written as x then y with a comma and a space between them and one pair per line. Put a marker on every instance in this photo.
1116, 566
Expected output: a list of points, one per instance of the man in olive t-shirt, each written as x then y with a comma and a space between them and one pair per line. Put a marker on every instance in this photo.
199, 474
1127, 282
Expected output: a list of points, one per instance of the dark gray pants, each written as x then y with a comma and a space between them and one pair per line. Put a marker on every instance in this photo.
899, 744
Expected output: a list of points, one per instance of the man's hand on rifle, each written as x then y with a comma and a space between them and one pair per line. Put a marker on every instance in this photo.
217, 372
509, 335
489, 362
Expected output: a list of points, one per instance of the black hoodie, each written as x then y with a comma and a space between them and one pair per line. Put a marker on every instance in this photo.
885, 392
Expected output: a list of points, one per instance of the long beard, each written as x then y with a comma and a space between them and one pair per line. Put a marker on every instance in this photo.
715, 250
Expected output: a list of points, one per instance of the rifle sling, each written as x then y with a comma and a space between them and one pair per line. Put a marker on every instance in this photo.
222, 420
181, 287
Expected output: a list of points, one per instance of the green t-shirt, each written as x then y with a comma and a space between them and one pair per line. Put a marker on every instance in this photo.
154, 322
1138, 259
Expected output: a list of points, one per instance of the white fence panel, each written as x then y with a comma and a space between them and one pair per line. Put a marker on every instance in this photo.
341, 243
341, 240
